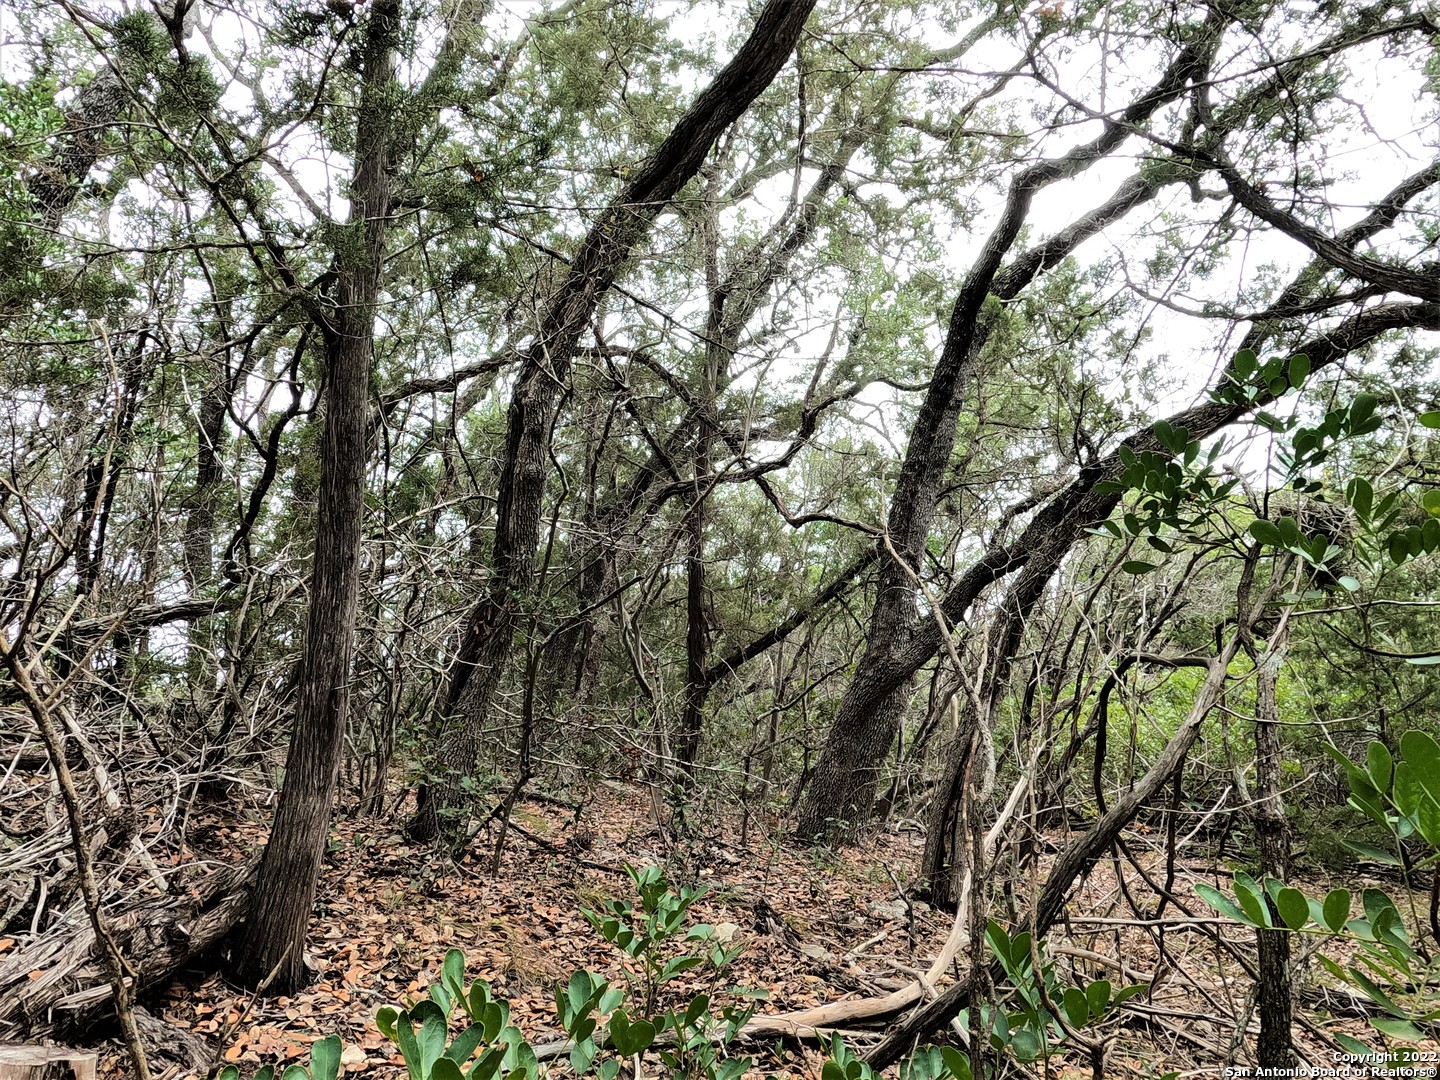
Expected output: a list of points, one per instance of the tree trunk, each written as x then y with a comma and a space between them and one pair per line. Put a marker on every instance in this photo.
946, 838
1275, 997
870, 713
46, 1063
285, 887
545, 368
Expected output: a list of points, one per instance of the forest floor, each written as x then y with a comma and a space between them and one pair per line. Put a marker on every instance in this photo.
390, 909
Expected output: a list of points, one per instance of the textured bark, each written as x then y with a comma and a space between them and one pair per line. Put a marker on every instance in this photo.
946, 839
544, 371
285, 887
1275, 994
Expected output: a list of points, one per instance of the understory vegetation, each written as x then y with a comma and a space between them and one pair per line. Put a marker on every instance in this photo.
719, 539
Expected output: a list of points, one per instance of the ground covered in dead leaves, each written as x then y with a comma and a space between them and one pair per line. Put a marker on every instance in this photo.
817, 927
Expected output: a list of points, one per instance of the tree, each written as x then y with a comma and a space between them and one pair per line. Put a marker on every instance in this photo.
545, 364
899, 642
273, 951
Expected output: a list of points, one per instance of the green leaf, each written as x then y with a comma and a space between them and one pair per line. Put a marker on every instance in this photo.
325, 1058
1360, 495
1252, 900
229, 1072
1430, 420
1370, 851
1097, 997
1221, 903
1337, 909
446, 1069
1299, 370
1266, 533
1379, 764
1373, 992
1077, 1008
1348, 583
1362, 409
1135, 566
1422, 753
1397, 1029
1354, 1046
956, 1063
293, 1072
1025, 1044
1293, 907
465, 1043
1398, 547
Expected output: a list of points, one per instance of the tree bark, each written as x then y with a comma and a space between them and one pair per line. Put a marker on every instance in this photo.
46, 1063
945, 838
274, 939
545, 367
1275, 995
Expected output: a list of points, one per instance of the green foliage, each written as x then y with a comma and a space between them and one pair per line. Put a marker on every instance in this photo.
1029, 1028
324, 1065
643, 931
1403, 797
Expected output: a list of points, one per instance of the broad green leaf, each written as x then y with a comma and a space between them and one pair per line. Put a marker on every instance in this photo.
1430, 420
325, 1058
1362, 409
1423, 755
1136, 566
1298, 370
956, 1063
1379, 764
1361, 496
1337, 909
1371, 852
1097, 996
465, 1043
1266, 533
1077, 1008
1397, 1028
1252, 900
1293, 907
1354, 1046
1221, 903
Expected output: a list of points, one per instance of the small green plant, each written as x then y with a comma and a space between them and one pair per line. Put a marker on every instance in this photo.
642, 931
606, 1026
324, 1065
1030, 1028
422, 1032
1403, 798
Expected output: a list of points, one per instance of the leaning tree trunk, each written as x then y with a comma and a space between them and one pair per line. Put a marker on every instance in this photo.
870, 712
545, 368
946, 838
285, 888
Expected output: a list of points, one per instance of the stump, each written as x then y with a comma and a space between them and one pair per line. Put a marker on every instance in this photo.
45, 1063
